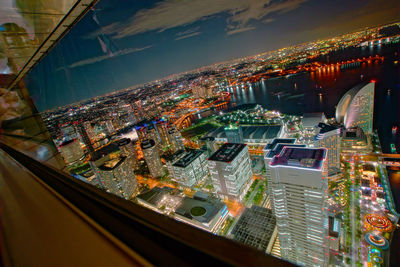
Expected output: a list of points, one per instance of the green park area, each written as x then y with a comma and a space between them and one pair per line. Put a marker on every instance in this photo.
201, 127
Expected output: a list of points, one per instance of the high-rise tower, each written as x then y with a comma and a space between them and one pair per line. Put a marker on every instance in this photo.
230, 171
152, 158
299, 185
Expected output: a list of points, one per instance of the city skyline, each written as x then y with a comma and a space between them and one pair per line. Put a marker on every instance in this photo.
119, 47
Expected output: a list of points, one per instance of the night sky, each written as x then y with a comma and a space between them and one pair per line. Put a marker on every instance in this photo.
123, 43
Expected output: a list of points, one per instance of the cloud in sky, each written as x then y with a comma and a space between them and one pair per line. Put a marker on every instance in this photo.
171, 13
188, 31
104, 57
187, 36
239, 30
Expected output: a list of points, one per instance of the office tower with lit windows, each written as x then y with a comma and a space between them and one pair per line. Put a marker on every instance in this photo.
141, 132
152, 158
153, 134
128, 148
162, 129
270, 151
234, 134
230, 171
71, 151
191, 168
109, 127
203, 91
329, 137
68, 132
208, 144
356, 107
84, 129
299, 185
116, 175
175, 140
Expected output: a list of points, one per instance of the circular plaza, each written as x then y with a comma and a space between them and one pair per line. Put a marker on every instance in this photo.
377, 222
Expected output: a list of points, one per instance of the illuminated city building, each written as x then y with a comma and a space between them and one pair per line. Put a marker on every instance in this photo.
202, 91
269, 152
191, 168
71, 151
234, 134
356, 107
299, 185
128, 148
311, 120
310, 123
161, 199
116, 175
230, 171
256, 227
175, 140
109, 127
202, 211
329, 138
152, 158
208, 144
84, 129
354, 141
171, 159
162, 129
252, 135
148, 131
68, 132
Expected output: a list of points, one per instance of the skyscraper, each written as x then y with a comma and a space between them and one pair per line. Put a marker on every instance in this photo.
71, 151
329, 137
356, 107
299, 186
234, 134
68, 132
270, 151
128, 148
86, 139
116, 176
175, 140
163, 132
152, 158
191, 168
230, 171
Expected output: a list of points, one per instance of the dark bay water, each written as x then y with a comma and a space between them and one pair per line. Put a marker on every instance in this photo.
320, 91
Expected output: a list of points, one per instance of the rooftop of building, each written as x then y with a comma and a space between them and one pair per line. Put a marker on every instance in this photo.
232, 127
280, 141
67, 142
227, 152
355, 133
311, 120
255, 227
279, 147
188, 158
104, 151
201, 210
311, 158
207, 138
154, 195
327, 128
148, 143
175, 156
123, 141
250, 132
112, 164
